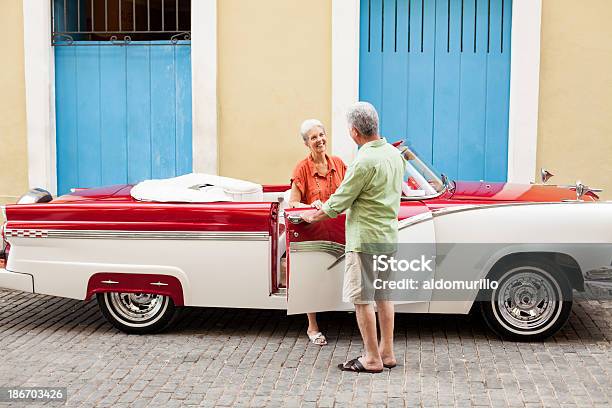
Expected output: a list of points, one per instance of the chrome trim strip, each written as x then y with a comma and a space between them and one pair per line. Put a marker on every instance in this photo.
329, 247
281, 292
149, 235
471, 207
414, 220
419, 218
602, 274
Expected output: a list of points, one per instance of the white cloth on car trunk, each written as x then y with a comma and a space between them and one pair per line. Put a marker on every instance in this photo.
197, 188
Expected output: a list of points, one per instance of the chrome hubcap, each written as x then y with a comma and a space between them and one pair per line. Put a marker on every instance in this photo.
527, 300
136, 307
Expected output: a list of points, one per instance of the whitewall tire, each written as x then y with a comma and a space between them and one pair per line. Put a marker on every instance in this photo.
137, 313
532, 301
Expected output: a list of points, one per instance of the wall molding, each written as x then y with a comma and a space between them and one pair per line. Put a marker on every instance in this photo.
204, 86
345, 74
524, 90
40, 94
524, 83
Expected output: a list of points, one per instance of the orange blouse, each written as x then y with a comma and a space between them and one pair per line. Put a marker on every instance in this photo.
314, 186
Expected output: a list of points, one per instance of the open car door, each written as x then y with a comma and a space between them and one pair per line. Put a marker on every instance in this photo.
315, 264
315, 259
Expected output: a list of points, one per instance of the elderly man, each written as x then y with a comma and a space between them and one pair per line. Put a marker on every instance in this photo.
371, 193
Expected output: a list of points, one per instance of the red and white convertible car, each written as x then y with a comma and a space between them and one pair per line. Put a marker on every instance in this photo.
144, 258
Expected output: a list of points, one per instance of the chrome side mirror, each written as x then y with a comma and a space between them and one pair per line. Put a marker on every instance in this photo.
444, 180
582, 189
545, 175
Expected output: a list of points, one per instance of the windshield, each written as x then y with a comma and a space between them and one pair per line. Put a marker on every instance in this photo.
419, 180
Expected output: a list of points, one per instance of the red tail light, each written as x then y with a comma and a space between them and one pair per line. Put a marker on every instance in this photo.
2, 231
4, 250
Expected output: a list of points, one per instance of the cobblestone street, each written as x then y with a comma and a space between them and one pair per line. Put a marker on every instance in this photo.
228, 357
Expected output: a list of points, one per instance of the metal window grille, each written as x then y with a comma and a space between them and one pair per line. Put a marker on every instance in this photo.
120, 22
415, 17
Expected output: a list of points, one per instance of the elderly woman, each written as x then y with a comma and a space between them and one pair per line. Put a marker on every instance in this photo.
314, 179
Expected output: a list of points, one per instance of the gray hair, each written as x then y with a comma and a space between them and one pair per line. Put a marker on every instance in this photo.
308, 125
363, 117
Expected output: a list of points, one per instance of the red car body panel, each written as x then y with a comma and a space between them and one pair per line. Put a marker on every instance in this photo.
95, 194
462, 190
141, 216
333, 229
462, 193
469, 190
136, 283
112, 208
270, 188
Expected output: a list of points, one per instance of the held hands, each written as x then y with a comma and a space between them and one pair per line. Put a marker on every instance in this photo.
317, 204
297, 204
315, 215
308, 216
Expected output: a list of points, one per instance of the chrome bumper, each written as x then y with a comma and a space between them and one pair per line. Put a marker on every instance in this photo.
598, 282
16, 281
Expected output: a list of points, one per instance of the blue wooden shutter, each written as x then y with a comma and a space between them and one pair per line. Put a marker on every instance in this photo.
438, 71
123, 113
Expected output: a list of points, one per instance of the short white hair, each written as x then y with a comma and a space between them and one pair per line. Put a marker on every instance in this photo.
363, 117
308, 125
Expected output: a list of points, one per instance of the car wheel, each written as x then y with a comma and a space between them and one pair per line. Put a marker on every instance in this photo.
137, 313
532, 301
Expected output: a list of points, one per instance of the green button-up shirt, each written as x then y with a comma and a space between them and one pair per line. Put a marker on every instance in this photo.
371, 191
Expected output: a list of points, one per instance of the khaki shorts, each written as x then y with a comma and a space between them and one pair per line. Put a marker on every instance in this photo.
359, 277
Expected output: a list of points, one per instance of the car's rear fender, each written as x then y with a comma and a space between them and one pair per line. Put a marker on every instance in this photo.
156, 284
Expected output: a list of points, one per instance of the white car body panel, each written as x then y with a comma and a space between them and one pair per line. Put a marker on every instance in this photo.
16, 281
236, 272
212, 273
314, 288
517, 228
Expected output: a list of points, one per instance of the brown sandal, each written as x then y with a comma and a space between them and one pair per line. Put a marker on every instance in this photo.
355, 366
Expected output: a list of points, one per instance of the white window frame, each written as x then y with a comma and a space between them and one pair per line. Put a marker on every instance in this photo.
524, 83
40, 90
204, 86
40, 94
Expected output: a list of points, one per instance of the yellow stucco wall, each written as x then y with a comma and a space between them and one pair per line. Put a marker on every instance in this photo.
575, 118
274, 72
13, 145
